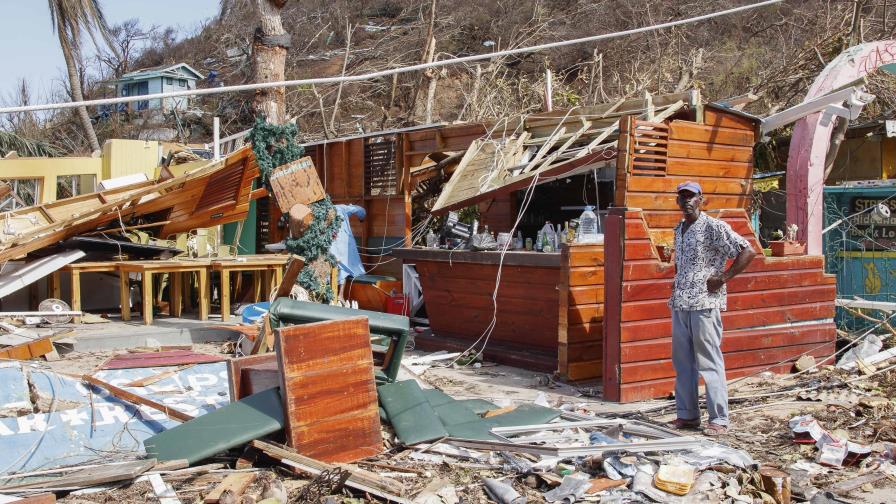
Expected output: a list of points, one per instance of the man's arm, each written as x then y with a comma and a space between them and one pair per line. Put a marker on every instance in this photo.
714, 283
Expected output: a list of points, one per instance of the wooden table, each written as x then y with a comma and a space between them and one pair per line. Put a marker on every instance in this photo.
76, 269
174, 268
266, 264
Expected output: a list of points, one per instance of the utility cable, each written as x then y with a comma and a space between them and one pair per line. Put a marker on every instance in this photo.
383, 73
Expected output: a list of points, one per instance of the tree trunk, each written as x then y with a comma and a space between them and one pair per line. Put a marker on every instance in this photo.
269, 48
74, 82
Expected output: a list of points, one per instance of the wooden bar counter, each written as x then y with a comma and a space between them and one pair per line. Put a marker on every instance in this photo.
531, 318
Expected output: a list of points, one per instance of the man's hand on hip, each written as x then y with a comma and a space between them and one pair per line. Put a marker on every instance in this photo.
714, 283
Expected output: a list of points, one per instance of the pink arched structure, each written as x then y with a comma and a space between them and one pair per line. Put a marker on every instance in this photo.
812, 138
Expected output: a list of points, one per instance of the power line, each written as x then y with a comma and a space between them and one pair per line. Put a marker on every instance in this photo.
383, 73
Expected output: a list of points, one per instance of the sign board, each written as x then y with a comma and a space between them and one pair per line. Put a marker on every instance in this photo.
869, 230
296, 182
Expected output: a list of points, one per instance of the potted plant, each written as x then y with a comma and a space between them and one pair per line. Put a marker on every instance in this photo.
782, 247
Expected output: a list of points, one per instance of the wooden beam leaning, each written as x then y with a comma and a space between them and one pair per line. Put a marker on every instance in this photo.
544, 150
554, 155
360, 479
138, 400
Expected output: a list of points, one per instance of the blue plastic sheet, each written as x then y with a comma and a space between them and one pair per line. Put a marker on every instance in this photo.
88, 425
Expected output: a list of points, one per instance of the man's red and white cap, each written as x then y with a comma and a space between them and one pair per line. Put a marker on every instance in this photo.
689, 186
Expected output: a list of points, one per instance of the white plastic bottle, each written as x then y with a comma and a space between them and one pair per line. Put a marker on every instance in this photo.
588, 227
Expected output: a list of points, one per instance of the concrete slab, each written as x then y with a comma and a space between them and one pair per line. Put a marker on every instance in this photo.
118, 335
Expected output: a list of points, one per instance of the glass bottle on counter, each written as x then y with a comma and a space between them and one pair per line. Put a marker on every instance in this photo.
548, 237
432, 240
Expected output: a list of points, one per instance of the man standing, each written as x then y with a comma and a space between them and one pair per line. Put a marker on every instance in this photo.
702, 246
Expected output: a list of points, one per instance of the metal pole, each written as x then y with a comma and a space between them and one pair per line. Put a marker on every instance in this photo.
548, 91
216, 133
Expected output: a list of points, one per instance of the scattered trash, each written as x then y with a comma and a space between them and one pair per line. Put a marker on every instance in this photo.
502, 493
675, 478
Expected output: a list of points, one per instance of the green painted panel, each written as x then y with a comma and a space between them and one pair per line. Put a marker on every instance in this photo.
410, 414
526, 414
233, 425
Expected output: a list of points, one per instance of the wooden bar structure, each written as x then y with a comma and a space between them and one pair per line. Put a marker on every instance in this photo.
779, 309
458, 288
600, 311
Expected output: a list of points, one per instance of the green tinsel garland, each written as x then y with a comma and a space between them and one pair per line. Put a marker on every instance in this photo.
275, 145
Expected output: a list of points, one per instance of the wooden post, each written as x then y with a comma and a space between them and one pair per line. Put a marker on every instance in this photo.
76, 293
176, 285
146, 295
54, 286
203, 294
225, 294
548, 90
124, 294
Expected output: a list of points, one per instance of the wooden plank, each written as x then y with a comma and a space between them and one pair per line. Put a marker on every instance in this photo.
583, 351
585, 294
755, 318
88, 476
639, 249
28, 350
149, 380
650, 269
733, 341
658, 308
328, 389
588, 370
586, 255
663, 387
44, 498
237, 483
709, 168
583, 314
710, 185
138, 400
720, 119
691, 131
159, 359
666, 201
614, 242
163, 491
359, 479
660, 369
586, 275
775, 288
290, 276
577, 333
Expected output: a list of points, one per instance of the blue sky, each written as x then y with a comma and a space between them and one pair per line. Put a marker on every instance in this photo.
32, 49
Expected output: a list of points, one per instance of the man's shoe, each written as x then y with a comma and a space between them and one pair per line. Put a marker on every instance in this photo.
714, 429
681, 423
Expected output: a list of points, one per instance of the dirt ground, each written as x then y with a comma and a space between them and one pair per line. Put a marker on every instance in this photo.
862, 412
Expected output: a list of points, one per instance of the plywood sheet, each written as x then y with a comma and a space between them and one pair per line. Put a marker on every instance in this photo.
296, 182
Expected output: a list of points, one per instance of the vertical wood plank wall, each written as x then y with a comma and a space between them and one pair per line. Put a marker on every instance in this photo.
340, 166
778, 309
459, 306
580, 329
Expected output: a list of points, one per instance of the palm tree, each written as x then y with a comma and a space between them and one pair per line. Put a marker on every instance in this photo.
72, 18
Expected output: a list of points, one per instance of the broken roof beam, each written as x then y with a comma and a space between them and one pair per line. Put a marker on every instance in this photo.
587, 158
